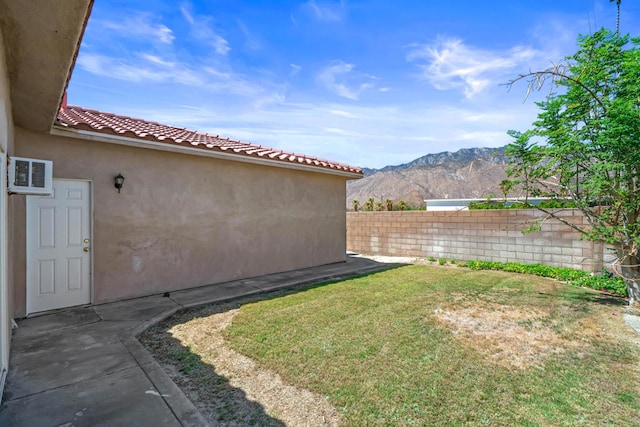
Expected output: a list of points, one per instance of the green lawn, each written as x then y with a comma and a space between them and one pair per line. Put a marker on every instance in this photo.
426, 345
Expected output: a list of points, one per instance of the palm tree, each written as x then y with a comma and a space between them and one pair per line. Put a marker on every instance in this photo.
356, 205
389, 204
368, 205
618, 18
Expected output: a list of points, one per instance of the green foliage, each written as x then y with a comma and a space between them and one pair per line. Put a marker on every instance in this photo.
431, 259
545, 204
613, 285
487, 204
368, 205
442, 261
388, 204
585, 143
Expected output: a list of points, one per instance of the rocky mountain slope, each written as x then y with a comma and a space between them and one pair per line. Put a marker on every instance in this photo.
467, 173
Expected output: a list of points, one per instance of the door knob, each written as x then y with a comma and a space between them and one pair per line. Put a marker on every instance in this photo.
86, 249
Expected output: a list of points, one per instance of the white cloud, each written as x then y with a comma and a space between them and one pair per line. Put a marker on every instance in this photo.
373, 136
152, 68
450, 64
295, 69
252, 41
202, 28
333, 78
343, 113
157, 60
141, 26
326, 12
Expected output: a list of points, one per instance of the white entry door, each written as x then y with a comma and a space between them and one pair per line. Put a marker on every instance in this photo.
58, 247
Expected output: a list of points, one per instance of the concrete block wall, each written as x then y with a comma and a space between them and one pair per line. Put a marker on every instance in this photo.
490, 235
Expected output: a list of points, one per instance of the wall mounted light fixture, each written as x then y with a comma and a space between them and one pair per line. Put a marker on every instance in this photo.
118, 181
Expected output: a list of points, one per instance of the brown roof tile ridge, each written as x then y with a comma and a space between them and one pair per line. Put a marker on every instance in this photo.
117, 124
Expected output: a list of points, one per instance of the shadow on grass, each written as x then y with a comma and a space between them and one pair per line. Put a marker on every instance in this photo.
219, 401
596, 297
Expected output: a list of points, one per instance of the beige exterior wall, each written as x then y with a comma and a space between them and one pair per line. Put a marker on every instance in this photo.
6, 122
6, 145
183, 221
491, 235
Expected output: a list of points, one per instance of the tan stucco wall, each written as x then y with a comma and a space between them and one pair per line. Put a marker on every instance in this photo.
183, 221
6, 276
6, 122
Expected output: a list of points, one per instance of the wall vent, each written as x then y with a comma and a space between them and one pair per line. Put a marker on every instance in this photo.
30, 176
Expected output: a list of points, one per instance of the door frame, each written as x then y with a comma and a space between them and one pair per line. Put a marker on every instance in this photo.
27, 258
5, 319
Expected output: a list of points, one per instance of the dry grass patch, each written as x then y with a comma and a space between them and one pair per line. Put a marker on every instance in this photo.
289, 404
252, 395
506, 335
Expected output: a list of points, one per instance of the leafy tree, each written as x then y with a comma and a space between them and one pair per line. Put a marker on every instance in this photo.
585, 144
524, 158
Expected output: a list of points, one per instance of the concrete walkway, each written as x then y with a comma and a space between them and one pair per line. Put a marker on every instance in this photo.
84, 366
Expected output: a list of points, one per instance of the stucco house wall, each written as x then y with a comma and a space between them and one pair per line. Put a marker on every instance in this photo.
182, 221
6, 145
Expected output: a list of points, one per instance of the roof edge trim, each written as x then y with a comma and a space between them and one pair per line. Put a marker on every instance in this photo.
58, 130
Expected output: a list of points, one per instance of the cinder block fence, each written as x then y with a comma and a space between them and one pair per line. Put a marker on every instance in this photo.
491, 235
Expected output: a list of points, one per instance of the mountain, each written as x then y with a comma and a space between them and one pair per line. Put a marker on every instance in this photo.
467, 173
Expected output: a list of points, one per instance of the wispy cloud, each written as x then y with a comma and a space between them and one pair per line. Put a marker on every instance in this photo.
252, 41
140, 25
151, 69
325, 11
450, 64
295, 69
363, 135
334, 77
157, 60
202, 28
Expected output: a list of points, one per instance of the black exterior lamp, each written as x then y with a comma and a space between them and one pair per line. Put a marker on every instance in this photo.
118, 181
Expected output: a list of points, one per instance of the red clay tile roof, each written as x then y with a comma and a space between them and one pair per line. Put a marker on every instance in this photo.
113, 124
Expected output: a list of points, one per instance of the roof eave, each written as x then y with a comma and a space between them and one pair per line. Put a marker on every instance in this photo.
41, 46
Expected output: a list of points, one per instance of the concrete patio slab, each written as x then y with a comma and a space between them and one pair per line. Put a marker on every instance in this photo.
57, 320
84, 366
122, 398
207, 294
67, 356
135, 309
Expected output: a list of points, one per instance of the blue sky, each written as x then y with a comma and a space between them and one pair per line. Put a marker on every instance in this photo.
364, 82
